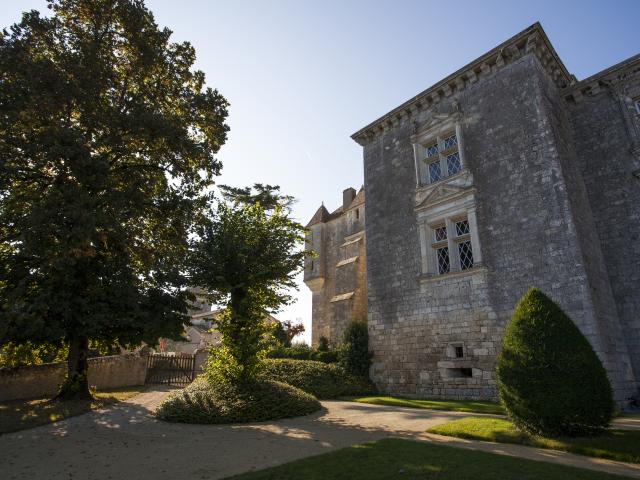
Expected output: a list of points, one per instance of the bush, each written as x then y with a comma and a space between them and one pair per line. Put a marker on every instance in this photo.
304, 352
549, 378
355, 357
323, 344
319, 379
256, 401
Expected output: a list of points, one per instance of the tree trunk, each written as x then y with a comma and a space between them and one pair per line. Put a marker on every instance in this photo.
238, 337
76, 385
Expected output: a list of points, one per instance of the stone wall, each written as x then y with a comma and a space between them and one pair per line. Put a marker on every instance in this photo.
535, 228
601, 323
339, 269
35, 381
607, 132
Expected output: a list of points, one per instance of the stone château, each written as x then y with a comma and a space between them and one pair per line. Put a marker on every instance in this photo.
337, 276
507, 174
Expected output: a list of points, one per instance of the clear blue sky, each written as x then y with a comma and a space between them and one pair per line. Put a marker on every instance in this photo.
303, 75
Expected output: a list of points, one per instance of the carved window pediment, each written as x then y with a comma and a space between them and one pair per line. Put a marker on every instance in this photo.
439, 194
447, 190
435, 124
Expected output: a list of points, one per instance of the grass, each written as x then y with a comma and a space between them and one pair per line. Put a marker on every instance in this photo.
621, 445
22, 414
451, 405
405, 459
629, 415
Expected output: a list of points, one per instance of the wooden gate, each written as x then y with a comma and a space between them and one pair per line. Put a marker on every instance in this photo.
167, 369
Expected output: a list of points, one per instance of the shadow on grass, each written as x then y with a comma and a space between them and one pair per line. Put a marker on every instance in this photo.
395, 458
19, 415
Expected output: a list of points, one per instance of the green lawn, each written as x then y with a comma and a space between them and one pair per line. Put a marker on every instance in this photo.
629, 415
622, 445
451, 405
21, 414
405, 459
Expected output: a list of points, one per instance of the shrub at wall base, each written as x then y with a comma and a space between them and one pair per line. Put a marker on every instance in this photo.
549, 377
355, 354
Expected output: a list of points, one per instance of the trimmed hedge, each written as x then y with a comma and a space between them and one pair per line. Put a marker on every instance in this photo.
550, 380
304, 353
322, 380
355, 355
202, 402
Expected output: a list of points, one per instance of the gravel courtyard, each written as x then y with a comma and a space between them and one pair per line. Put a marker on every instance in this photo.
125, 441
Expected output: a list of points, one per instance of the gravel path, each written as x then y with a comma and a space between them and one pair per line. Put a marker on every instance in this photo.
125, 441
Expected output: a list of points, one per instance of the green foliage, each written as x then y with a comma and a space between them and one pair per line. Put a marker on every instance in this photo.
279, 335
107, 140
285, 331
304, 352
244, 343
323, 344
268, 196
14, 355
246, 257
255, 401
355, 355
319, 379
549, 379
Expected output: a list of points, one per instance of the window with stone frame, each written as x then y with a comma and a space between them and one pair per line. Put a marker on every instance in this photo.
452, 246
442, 157
636, 103
463, 242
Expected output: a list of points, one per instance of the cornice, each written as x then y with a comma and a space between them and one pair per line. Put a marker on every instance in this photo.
532, 40
606, 78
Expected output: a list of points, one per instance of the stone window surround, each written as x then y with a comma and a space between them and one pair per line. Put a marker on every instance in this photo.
446, 125
456, 209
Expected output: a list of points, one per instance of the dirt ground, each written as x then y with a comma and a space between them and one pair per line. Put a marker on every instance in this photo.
125, 441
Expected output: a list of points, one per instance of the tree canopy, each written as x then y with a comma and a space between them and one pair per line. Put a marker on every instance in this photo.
107, 143
268, 196
285, 331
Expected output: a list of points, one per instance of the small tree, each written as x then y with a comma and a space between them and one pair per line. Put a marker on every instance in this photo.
549, 378
323, 344
355, 355
286, 331
246, 257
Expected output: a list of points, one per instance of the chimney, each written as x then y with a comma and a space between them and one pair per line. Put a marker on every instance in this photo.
347, 197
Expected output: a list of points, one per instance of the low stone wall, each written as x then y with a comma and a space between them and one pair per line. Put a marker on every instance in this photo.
35, 381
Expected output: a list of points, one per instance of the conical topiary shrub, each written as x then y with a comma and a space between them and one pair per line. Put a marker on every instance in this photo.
550, 380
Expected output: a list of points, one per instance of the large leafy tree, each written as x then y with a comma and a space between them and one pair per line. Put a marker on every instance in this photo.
107, 143
247, 257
